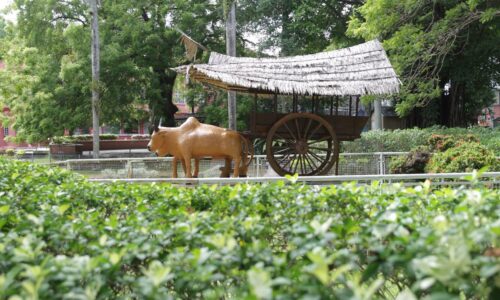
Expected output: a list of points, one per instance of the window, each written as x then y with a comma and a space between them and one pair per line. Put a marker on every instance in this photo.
6, 131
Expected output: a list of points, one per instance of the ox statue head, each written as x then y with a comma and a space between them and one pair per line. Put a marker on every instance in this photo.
156, 144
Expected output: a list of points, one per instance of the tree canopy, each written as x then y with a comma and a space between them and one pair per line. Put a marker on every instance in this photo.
298, 27
49, 55
446, 53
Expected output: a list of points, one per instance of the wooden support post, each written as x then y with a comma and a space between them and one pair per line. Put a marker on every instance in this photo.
357, 105
337, 106
253, 115
350, 106
331, 105
275, 103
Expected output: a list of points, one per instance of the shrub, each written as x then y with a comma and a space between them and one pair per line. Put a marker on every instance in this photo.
74, 139
441, 142
10, 152
64, 237
387, 141
141, 137
465, 157
412, 163
407, 139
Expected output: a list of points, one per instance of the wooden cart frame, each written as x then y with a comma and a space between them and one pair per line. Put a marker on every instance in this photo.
306, 143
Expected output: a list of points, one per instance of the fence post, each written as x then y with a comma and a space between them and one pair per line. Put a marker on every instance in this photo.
257, 166
68, 165
130, 173
381, 164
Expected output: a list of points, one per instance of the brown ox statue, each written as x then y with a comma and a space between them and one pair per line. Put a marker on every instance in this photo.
197, 140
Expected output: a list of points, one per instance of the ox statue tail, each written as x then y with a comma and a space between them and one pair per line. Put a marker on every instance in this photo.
247, 155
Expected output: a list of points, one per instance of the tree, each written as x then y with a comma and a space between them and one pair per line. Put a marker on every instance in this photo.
298, 27
3, 24
138, 47
446, 53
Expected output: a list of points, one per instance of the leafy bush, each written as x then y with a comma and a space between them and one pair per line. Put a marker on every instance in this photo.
141, 137
441, 142
464, 157
10, 152
408, 139
445, 154
74, 139
63, 237
399, 140
412, 163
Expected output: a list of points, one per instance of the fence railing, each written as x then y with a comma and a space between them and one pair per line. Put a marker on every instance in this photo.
490, 179
117, 168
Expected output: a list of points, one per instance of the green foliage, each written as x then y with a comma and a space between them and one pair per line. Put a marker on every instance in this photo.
446, 154
404, 140
297, 27
432, 43
81, 138
63, 237
2, 29
47, 82
464, 157
215, 111
412, 163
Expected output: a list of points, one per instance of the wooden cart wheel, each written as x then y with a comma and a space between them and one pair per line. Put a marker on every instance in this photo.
302, 143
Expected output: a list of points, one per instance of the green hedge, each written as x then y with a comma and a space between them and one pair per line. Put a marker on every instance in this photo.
81, 138
465, 157
63, 237
404, 140
446, 154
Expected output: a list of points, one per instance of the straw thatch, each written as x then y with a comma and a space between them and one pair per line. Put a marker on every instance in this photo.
358, 70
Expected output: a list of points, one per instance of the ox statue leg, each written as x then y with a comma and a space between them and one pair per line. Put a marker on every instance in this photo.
174, 167
237, 161
183, 162
226, 170
196, 167
187, 161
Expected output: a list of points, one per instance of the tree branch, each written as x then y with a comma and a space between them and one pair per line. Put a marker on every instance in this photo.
66, 17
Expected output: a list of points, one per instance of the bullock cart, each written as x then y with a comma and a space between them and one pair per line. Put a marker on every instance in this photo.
314, 100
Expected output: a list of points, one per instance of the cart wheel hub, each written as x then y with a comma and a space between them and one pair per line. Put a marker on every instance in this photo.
301, 147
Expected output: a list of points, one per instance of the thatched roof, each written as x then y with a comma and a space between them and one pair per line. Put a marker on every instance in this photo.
358, 70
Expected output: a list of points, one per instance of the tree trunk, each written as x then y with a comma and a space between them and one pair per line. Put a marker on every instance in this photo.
285, 32
166, 109
377, 115
231, 51
452, 113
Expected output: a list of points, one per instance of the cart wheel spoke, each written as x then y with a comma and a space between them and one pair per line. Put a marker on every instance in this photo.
290, 131
319, 158
311, 161
302, 164
306, 132
320, 148
298, 128
326, 138
314, 130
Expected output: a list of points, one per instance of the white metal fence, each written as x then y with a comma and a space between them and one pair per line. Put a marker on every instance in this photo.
119, 168
490, 180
